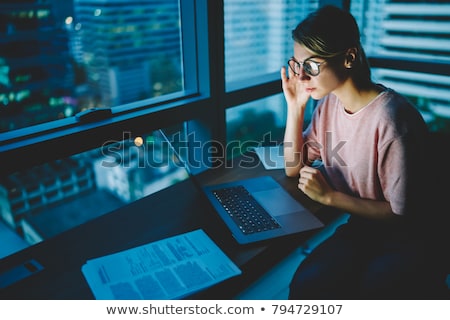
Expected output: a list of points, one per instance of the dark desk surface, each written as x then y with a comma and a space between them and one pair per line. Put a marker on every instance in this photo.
177, 209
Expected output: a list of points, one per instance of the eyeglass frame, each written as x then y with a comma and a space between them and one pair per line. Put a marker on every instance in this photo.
301, 63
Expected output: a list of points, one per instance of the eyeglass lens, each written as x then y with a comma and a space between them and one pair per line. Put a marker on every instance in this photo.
311, 67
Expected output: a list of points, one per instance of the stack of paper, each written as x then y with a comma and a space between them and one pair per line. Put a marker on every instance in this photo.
167, 269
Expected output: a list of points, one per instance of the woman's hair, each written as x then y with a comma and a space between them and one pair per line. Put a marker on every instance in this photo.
330, 32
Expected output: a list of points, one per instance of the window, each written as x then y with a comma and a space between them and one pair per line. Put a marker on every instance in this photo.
417, 36
89, 55
258, 37
257, 43
84, 55
139, 60
129, 51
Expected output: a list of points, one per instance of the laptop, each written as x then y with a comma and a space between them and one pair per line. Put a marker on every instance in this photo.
256, 209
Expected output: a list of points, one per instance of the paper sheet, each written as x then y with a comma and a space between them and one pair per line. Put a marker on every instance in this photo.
167, 269
271, 156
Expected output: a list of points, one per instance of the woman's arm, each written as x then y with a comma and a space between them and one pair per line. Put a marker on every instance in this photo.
296, 98
293, 142
372, 209
314, 185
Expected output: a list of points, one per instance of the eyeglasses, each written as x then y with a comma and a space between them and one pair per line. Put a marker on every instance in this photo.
311, 67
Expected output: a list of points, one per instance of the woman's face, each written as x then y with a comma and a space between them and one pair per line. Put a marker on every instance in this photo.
318, 86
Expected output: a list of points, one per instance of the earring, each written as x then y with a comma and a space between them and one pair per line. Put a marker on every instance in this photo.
349, 59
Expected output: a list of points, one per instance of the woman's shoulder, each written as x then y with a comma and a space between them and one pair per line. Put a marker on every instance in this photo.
399, 111
397, 103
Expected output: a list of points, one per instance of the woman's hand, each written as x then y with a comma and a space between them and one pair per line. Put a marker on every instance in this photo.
293, 88
314, 185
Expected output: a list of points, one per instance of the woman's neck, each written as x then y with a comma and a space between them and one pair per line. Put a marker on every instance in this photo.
354, 99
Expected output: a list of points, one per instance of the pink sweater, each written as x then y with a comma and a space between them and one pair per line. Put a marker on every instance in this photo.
369, 154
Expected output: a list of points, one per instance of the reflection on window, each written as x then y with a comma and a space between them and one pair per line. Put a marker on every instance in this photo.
44, 201
92, 54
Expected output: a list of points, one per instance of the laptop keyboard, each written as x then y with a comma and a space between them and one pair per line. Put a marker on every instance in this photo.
245, 211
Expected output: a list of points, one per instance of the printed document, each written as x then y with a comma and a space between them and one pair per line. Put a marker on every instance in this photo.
167, 269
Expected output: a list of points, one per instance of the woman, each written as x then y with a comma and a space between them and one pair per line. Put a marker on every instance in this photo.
371, 142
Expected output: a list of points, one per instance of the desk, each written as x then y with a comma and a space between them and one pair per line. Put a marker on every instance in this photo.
177, 209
